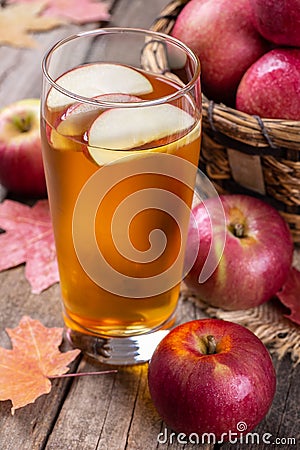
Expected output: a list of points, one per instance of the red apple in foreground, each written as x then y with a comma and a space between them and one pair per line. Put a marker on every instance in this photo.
257, 254
222, 34
278, 20
211, 376
21, 165
271, 86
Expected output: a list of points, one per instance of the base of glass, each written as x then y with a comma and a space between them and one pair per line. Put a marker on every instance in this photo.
117, 350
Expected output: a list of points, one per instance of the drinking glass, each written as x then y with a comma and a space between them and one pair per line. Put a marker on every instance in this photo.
120, 127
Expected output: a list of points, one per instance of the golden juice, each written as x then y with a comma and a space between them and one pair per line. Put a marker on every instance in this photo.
122, 302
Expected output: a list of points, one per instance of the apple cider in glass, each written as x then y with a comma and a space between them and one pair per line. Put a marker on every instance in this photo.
120, 165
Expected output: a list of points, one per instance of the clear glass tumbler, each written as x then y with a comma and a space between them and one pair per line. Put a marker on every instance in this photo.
121, 126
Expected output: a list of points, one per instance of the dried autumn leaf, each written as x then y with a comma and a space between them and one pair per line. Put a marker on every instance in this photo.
25, 370
289, 295
18, 19
78, 12
29, 239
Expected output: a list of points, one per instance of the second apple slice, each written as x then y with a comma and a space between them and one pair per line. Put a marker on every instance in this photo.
118, 130
78, 117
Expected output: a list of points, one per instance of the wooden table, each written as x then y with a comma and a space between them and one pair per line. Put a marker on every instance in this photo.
110, 411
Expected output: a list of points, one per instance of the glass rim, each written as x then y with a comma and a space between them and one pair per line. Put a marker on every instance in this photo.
119, 30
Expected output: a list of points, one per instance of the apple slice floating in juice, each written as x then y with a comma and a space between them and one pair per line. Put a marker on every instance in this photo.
117, 130
96, 79
63, 143
79, 116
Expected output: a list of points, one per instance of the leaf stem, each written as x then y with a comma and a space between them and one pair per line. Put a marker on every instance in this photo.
82, 374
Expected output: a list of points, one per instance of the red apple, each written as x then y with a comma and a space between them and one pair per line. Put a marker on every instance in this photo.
211, 376
222, 34
278, 20
271, 86
21, 165
257, 253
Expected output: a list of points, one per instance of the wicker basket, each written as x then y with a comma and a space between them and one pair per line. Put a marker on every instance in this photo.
247, 154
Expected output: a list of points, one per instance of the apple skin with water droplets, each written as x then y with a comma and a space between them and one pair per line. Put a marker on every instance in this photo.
222, 34
211, 376
257, 254
270, 88
278, 20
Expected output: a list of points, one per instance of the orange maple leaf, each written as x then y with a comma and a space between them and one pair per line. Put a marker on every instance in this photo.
25, 370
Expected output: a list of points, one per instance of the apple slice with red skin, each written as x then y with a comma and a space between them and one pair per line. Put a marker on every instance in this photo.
92, 80
78, 117
118, 130
211, 376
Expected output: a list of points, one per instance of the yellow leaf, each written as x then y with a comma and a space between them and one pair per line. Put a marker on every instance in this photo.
17, 20
79, 12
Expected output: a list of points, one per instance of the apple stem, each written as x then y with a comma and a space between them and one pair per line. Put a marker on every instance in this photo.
238, 229
211, 345
23, 123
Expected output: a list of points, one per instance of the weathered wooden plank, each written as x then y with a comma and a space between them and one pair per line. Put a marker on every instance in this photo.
119, 414
137, 13
20, 72
84, 411
29, 427
146, 423
284, 416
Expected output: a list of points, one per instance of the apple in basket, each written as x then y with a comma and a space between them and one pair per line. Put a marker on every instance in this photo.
271, 86
211, 378
222, 34
255, 260
21, 165
278, 20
